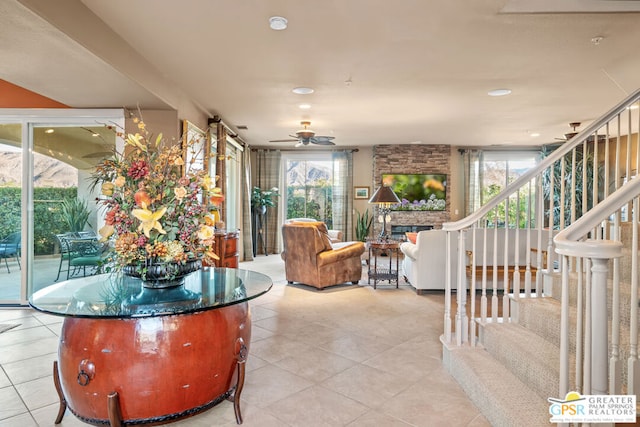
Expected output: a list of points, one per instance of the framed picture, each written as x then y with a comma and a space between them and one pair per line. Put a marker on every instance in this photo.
361, 193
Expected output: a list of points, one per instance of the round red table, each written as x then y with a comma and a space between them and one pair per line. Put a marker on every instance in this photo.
130, 355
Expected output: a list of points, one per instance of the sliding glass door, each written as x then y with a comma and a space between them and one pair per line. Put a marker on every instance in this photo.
45, 192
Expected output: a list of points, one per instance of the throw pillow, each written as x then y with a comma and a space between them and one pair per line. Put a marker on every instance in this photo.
412, 237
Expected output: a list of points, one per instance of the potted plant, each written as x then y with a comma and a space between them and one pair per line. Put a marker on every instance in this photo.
363, 225
75, 214
260, 199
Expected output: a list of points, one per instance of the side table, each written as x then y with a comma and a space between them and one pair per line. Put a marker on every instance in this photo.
376, 248
226, 247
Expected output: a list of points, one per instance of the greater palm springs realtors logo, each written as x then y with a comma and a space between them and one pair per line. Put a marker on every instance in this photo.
593, 408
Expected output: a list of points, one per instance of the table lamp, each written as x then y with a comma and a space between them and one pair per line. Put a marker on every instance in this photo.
384, 197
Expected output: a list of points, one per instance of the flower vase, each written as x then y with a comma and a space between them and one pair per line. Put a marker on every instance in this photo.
162, 275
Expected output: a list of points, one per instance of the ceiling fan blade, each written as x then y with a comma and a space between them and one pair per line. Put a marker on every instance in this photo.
323, 140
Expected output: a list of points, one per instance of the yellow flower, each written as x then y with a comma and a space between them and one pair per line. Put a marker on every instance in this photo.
136, 140
178, 161
149, 220
120, 181
180, 192
107, 188
207, 182
206, 232
106, 232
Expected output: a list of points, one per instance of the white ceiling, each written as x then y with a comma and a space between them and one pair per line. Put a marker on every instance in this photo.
418, 70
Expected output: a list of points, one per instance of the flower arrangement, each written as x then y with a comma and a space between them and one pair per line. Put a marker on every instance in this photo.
432, 204
156, 206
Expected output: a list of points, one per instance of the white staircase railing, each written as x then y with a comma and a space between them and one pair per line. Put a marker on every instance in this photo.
602, 371
504, 248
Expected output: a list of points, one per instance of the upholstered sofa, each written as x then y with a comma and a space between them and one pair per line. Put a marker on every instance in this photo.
312, 259
424, 261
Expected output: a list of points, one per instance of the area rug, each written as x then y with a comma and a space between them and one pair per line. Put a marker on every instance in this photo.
4, 327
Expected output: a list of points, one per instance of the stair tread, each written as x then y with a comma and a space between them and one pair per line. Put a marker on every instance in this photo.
505, 400
529, 356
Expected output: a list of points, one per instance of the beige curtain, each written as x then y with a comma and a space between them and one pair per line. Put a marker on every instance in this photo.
245, 185
268, 176
343, 193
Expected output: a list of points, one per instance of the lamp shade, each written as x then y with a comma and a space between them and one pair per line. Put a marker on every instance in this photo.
384, 195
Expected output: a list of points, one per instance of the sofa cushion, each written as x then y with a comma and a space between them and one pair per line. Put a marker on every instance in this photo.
346, 251
322, 231
409, 249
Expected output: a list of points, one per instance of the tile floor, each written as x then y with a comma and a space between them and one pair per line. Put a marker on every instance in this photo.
345, 356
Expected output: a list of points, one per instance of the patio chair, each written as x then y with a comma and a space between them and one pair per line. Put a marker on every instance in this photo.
84, 252
10, 248
63, 242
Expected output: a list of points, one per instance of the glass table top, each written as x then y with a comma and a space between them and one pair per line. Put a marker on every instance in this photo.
115, 295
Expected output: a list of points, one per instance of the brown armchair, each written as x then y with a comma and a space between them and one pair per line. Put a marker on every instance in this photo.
310, 257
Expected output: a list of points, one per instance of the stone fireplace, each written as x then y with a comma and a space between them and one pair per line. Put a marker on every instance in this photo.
419, 159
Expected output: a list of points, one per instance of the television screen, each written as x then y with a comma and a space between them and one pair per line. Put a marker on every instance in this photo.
418, 192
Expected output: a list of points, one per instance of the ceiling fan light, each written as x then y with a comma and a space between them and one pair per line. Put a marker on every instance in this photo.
305, 133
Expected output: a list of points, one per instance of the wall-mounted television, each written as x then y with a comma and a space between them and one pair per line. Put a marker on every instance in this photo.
418, 192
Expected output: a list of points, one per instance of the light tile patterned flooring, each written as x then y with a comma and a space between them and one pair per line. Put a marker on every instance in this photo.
345, 356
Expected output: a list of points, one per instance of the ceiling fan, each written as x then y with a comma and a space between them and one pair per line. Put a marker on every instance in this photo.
306, 136
574, 132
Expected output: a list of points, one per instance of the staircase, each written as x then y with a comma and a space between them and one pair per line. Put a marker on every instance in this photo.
514, 341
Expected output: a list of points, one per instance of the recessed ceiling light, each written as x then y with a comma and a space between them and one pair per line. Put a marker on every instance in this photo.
278, 23
304, 106
534, 134
499, 92
302, 90
49, 131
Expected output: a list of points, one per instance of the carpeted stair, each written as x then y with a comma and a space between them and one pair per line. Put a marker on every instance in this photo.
503, 398
515, 366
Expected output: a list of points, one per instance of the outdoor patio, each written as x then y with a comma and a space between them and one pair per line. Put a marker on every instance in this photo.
45, 270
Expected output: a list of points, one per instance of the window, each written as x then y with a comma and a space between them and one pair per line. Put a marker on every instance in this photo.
490, 172
233, 192
309, 182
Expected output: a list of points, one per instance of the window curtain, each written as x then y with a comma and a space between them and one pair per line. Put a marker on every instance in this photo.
268, 176
343, 193
245, 185
472, 160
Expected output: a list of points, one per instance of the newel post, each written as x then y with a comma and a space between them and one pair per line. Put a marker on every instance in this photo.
599, 327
